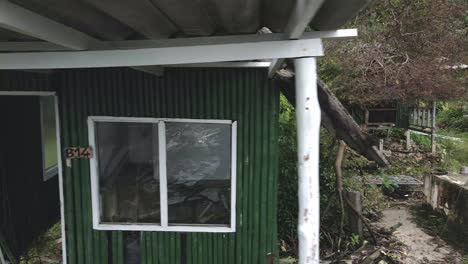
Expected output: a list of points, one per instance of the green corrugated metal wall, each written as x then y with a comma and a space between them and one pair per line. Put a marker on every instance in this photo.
245, 95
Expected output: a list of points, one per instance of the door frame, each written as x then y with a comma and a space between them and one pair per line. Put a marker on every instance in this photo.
59, 158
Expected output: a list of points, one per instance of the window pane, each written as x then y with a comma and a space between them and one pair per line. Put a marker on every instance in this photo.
199, 173
49, 132
128, 172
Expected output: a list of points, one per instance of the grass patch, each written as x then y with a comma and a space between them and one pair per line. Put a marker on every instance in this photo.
454, 153
47, 248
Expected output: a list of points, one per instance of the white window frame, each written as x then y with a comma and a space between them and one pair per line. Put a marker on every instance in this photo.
51, 171
164, 226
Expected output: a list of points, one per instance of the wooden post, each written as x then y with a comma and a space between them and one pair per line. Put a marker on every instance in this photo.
308, 132
433, 125
366, 118
355, 222
408, 139
423, 120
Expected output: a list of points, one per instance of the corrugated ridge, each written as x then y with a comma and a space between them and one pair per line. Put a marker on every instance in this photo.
244, 95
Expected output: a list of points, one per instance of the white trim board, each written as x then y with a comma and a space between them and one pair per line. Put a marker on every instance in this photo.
126, 119
180, 42
27, 93
162, 56
161, 163
240, 64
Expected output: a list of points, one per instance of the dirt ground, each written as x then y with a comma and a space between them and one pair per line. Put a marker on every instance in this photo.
422, 248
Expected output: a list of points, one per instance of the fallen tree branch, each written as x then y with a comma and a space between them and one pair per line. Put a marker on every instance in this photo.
339, 186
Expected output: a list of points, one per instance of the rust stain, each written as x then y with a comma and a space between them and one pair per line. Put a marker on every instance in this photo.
306, 157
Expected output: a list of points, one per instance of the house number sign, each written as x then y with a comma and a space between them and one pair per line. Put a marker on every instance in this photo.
78, 153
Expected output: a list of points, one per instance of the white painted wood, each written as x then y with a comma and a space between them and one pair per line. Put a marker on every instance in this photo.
164, 226
181, 42
438, 136
303, 12
255, 64
31, 93
163, 174
155, 120
93, 165
162, 56
61, 183
158, 228
50, 172
235, 39
21, 20
233, 176
308, 131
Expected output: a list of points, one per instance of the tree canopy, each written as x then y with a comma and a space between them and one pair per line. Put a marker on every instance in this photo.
407, 50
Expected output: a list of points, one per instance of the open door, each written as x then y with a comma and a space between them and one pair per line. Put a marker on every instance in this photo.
29, 182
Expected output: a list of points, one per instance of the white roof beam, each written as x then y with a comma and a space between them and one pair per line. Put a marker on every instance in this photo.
21, 20
163, 56
181, 42
302, 14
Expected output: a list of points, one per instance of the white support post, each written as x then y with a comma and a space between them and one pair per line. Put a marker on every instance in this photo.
308, 132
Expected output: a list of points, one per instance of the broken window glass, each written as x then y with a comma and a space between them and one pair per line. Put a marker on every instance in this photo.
198, 173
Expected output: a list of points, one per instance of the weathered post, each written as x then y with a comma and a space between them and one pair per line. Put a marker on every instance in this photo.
433, 127
308, 133
408, 139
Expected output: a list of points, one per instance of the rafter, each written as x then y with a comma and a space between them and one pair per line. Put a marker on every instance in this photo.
303, 12
21, 20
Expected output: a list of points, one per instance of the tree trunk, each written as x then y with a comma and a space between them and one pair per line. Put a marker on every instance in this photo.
337, 120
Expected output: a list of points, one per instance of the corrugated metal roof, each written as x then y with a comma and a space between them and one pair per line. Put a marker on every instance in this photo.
153, 19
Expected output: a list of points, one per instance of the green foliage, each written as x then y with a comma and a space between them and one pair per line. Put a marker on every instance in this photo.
401, 48
355, 240
287, 191
454, 153
452, 116
354, 179
422, 141
388, 185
